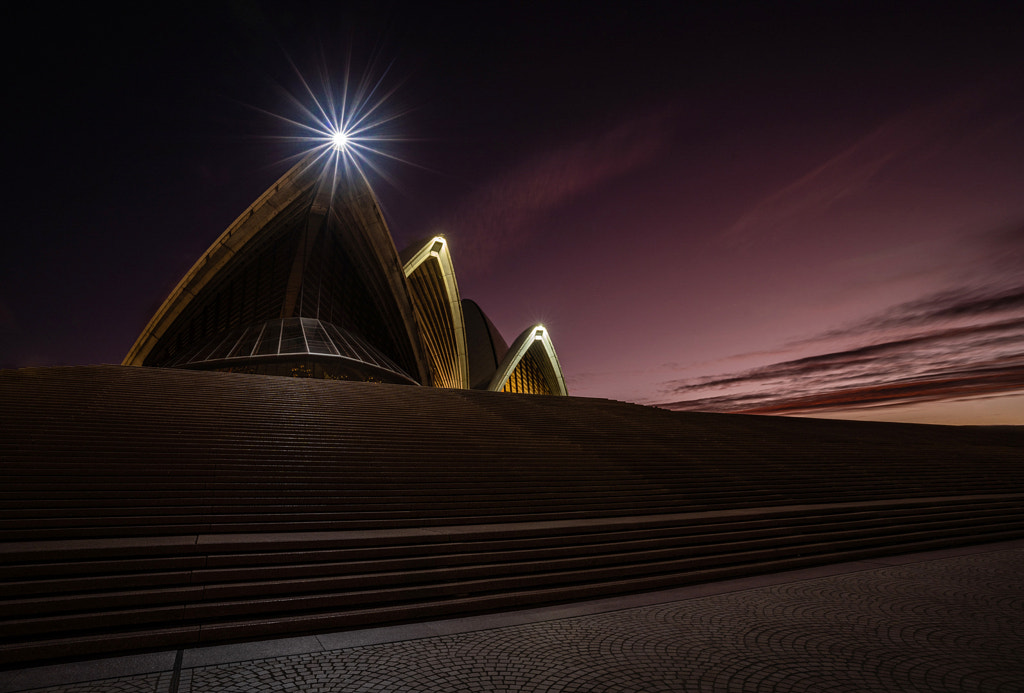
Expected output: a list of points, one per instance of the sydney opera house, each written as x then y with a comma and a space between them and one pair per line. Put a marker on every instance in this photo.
307, 282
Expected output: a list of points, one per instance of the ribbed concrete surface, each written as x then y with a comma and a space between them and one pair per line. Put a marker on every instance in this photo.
148, 509
935, 623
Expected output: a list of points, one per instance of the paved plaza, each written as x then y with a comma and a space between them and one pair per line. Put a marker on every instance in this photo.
944, 621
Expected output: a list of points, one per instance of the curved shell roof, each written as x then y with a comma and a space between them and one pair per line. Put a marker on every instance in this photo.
309, 271
435, 295
280, 260
536, 341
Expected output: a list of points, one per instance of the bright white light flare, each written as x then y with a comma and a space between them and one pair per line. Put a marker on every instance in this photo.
347, 125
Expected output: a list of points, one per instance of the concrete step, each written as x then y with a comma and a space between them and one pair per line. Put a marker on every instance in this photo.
145, 508
335, 612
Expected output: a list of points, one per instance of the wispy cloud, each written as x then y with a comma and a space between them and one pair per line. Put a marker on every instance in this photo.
850, 171
504, 211
954, 345
961, 342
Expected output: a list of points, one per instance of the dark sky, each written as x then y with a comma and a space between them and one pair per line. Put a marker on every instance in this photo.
786, 208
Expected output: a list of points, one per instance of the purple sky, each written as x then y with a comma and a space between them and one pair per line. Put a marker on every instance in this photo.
730, 207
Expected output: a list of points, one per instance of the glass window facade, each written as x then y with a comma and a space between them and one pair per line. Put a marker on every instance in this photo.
527, 377
434, 316
276, 340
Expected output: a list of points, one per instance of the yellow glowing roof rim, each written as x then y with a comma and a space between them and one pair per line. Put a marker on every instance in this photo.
536, 333
451, 288
278, 196
296, 182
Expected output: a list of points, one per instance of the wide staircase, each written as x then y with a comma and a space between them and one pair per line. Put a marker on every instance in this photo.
146, 509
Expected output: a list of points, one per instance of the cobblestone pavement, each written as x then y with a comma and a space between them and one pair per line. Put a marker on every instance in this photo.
955, 624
